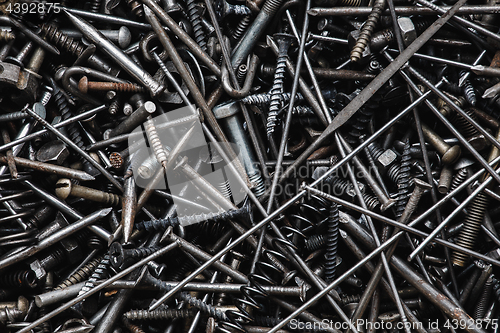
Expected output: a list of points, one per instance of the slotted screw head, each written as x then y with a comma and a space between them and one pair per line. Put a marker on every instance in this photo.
63, 188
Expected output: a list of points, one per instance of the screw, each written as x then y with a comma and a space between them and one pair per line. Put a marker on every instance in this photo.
84, 86
194, 17
158, 314
19, 58
366, 30
64, 188
449, 154
118, 255
284, 42
223, 9
54, 35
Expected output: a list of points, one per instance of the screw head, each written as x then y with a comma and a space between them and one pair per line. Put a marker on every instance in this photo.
387, 205
116, 255
63, 188
284, 41
452, 155
421, 184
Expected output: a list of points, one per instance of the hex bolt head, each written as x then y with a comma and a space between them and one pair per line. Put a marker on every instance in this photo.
53, 152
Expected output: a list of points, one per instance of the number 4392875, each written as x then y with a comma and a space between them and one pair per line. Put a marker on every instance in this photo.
33, 7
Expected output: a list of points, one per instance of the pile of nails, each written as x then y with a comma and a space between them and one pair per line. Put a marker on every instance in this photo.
249, 166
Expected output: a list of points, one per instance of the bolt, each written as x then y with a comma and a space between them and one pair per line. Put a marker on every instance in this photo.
229, 115
449, 154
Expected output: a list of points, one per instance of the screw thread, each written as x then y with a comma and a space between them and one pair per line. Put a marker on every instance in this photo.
350, 3
241, 28
270, 7
465, 128
80, 275
136, 7
158, 314
131, 327
315, 242
259, 187
14, 116
94, 5
98, 274
403, 181
472, 226
358, 127
194, 17
55, 36
73, 131
366, 30
190, 300
24, 278
331, 243
162, 224
141, 252
154, 140
265, 98
459, 178
484, 300
276, 91
468, 90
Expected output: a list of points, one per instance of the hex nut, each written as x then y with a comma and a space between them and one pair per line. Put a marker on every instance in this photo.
408, 30
54, 152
